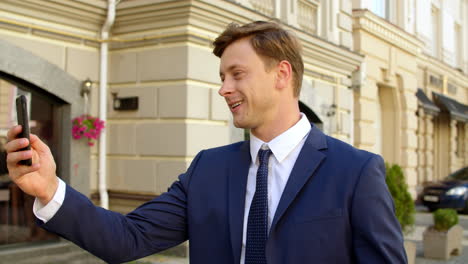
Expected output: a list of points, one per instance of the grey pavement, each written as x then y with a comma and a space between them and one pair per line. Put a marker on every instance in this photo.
424, 219
160, 259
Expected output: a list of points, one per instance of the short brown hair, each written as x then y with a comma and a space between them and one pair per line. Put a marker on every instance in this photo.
269, 41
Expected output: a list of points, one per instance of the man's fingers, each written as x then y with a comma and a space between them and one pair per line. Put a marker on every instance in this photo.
22, 170
13, 132
14, 157
37, 144
16, 144
33, 138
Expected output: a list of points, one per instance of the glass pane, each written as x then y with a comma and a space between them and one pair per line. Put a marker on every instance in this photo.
461, 174
435, 32
379, 7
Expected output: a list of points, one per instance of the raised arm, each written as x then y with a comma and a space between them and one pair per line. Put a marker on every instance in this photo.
116, 238
154, 226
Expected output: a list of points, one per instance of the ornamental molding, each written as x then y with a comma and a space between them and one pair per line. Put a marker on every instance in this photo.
439, 68
146, 23
381, 28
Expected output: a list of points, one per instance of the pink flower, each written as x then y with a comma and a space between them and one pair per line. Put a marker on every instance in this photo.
87, 126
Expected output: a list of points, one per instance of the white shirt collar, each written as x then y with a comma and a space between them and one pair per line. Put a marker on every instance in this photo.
282, 145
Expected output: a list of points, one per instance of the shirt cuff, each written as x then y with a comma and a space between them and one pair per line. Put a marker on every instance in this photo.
46, 212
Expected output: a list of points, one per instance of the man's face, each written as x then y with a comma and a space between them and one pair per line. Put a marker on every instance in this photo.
247, 86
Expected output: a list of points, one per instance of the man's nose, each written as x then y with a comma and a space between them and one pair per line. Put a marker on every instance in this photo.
226, 89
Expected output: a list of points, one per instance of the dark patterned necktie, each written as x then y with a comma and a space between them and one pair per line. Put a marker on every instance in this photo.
257, 224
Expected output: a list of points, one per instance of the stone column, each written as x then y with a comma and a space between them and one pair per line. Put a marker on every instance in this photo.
409, 141
364, 120
429, 155
453, 145
421, 150
465, 161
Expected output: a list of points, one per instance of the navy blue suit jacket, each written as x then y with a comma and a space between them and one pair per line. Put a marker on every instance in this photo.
335, 208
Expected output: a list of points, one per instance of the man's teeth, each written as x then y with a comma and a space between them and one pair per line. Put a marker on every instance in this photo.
236, 104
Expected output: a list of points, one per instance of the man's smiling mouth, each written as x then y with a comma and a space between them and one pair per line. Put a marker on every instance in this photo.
234, 105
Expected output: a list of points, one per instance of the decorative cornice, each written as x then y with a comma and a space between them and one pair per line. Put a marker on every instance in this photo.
48, 32
316, 51
435, 66
79, 16
379, 27
147, 22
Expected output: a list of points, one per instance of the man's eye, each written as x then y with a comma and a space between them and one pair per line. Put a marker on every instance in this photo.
237, 75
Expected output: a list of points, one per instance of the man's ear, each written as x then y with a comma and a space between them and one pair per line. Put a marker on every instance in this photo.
284, 74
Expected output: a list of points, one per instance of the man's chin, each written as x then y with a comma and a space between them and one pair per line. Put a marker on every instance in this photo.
239, 124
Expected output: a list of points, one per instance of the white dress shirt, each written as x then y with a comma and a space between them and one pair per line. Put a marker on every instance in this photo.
46, 212
285, 149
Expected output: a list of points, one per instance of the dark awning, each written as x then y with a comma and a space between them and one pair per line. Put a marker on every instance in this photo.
426, 103
310, 114
457, 110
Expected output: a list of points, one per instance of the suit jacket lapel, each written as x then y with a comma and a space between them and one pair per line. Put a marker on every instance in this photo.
238, 172
307, 162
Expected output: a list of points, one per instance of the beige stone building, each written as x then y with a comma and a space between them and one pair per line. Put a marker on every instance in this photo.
411, 106
155, 81
160, 84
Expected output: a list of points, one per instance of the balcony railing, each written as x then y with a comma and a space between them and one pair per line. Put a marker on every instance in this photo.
307, 15
266, 7
305, 12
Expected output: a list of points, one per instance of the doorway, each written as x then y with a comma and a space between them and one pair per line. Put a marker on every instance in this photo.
387, 124
442, 145
17, 221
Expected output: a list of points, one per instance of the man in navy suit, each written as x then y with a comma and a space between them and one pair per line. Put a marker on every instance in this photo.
288, 195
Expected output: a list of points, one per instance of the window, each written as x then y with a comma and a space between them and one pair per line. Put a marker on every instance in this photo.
307, 15
435, 33
458, 46
380, 8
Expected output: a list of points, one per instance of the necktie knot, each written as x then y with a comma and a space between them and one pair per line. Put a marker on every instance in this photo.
264, 155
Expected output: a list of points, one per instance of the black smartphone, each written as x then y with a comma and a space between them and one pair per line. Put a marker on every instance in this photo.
23, 120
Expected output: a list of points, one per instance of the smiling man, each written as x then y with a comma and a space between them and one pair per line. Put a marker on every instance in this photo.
258, 90
289, 195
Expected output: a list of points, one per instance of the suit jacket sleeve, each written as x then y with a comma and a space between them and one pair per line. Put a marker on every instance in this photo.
377, 236
115, 238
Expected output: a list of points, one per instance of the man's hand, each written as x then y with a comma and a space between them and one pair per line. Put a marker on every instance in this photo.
38, 180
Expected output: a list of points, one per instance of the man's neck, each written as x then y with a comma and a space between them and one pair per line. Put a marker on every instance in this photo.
277, 127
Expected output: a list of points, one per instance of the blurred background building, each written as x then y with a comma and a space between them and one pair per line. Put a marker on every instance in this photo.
389, 77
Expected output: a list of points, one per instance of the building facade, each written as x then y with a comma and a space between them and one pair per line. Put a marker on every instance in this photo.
159, 58
416, 68
365, 63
